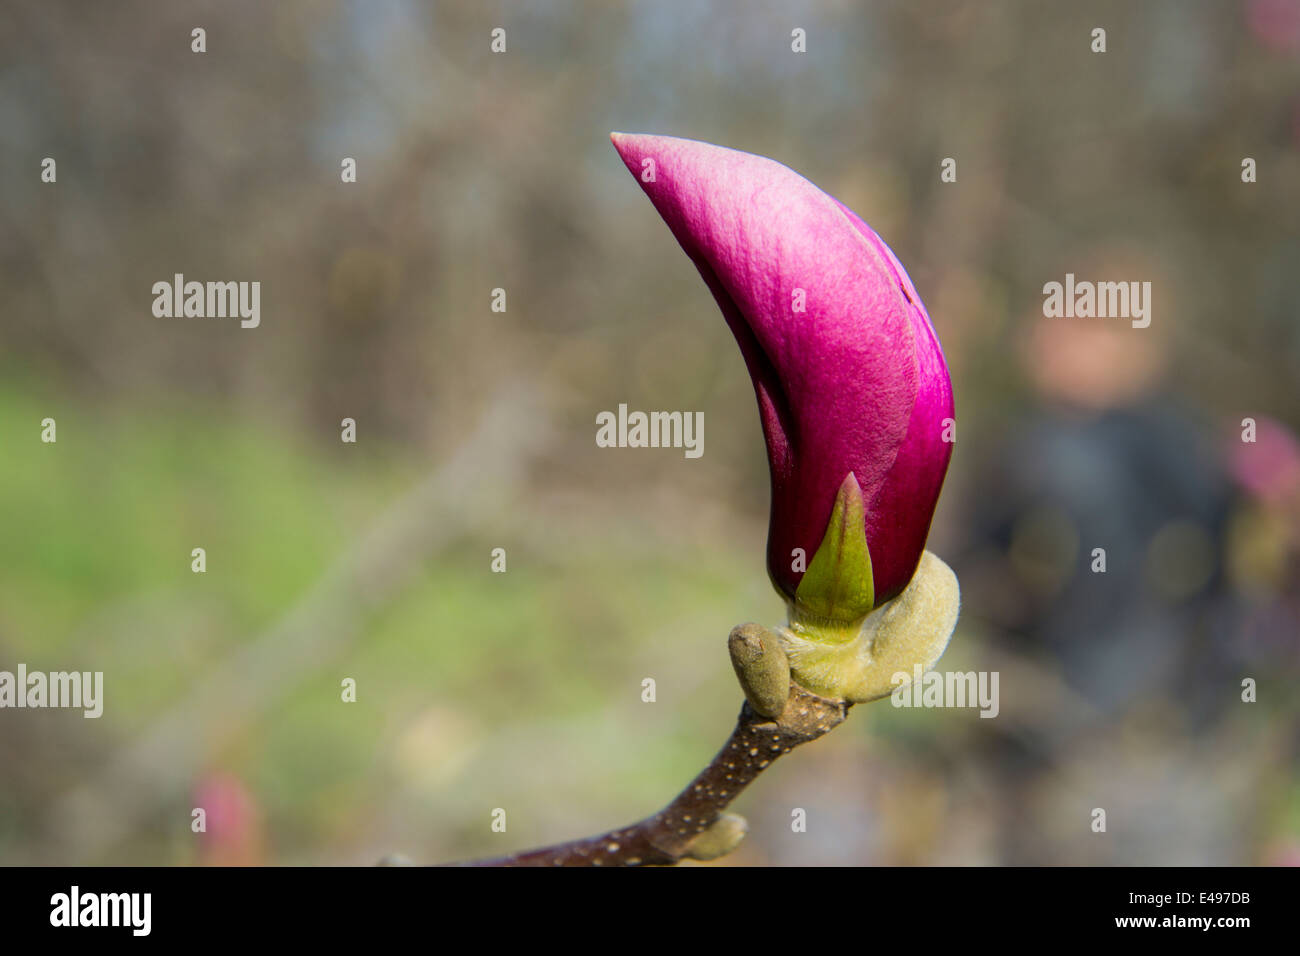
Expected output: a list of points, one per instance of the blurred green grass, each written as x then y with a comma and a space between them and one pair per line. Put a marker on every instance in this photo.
454, 673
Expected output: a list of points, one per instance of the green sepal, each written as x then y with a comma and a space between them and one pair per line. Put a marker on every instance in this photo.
838, 587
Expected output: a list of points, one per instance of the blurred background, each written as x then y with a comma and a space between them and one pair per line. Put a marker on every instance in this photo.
475, 429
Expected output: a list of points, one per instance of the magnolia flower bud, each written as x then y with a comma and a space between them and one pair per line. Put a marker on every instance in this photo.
852, 388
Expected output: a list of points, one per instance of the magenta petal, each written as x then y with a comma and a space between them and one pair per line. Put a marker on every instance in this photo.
854, 383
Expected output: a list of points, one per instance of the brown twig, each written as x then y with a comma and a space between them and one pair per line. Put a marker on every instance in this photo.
694, 825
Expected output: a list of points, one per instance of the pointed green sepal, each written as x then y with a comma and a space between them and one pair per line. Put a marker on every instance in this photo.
896, 642
838, 586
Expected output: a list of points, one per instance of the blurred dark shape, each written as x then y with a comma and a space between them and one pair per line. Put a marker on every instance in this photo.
1140, 485
1111, 546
